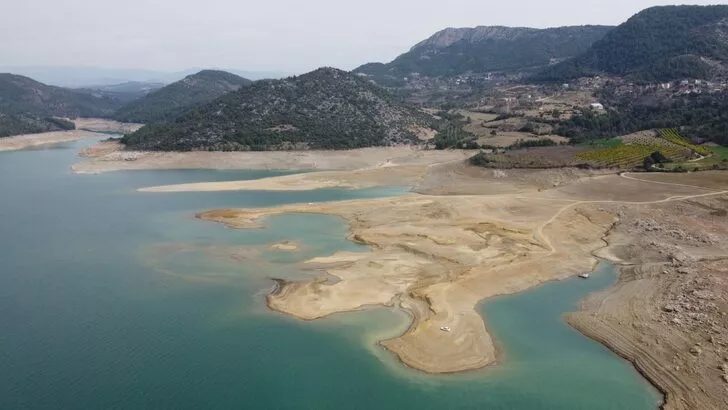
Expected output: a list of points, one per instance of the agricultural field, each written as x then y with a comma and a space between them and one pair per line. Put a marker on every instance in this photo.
487, 130
626, 156
658, 149
631, 150
674, 136
477, 116
718, 159
511, 124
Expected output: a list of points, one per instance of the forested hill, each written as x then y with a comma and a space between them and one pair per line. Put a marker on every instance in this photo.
28, 106
657, 44
456, 51
326, 109
171, 101
23, 95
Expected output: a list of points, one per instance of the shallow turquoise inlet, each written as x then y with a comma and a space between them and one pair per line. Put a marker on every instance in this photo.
111, 298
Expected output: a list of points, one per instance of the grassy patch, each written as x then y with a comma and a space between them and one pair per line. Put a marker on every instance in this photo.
718, 160
720, 153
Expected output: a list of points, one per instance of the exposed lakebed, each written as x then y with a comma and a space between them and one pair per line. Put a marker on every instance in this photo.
114, 298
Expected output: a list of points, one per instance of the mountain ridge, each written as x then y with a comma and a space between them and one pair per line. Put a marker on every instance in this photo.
455, 51
660, 43
324, 109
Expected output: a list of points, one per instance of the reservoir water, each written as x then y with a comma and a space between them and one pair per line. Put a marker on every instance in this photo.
110, 298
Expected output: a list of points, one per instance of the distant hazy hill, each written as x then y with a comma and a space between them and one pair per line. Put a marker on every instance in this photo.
27, 106
92, 77
456, 51
124, 92
659, 43
171, 101
327, 108
23, 95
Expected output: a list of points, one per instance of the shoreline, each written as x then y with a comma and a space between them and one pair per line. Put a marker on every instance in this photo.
85, 128
437, 256
20, 142
423, 339
111, 156
675, 351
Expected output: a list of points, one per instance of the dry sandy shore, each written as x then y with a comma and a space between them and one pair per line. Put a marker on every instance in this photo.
437, 256
85, 127
110, 156
105, 126
34, 140
668, 314
473, 233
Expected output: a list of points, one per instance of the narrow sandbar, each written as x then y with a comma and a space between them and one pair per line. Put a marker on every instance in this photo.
19, 142
120, 159
286, 246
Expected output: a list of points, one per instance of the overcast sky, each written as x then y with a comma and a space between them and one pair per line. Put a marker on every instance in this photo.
281, 35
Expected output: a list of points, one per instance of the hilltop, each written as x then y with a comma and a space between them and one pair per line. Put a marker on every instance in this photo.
456, 51
28, 106
171, 101
325, 109
657, 44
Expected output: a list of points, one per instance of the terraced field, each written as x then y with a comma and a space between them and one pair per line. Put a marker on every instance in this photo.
625, 152
626, 156
673, 136
633, 149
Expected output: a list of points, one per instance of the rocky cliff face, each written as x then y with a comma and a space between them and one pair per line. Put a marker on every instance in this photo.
450, 36
456, 51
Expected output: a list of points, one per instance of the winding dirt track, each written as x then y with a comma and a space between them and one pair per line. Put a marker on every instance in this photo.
543, 238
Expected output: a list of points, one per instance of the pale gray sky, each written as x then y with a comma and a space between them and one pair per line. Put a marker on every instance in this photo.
281, 35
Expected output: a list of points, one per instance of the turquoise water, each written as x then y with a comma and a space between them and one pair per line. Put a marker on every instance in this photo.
116, 299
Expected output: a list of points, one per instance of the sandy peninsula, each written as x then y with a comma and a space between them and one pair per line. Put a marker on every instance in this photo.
85, 128
105, 126
34, 140
438, 256
465, 234
111, 156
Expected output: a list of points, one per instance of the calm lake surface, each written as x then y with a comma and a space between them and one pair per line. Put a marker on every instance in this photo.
111, 298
